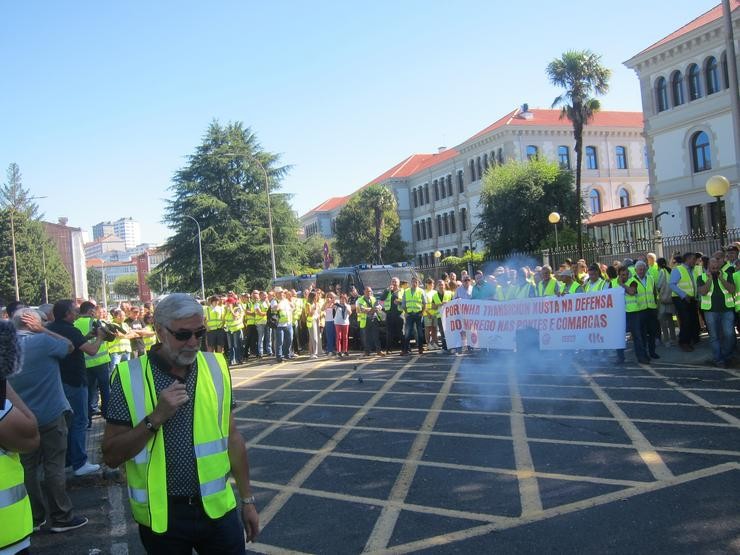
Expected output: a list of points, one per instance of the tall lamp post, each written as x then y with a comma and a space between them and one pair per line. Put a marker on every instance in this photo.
12, 242
200, 259
437, 258
717, 187
472, 247
554, 218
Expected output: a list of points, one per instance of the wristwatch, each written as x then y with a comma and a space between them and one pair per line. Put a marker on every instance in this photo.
247, 500
149, 425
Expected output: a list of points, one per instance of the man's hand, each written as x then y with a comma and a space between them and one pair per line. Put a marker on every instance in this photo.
251, 521
33, 324
170, 399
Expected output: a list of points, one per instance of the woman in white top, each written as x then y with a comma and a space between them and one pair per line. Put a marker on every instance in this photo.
342, 310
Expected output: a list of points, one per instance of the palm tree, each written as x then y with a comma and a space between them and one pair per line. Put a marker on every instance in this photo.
380, 199
581, 74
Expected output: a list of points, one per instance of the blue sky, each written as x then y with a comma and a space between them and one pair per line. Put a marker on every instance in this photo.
100, 102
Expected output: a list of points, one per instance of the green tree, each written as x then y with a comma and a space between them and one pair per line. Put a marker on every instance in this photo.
516, 199
581, 74
35, 251
223, 187
95, 283
126, 286
313, 247
368, 228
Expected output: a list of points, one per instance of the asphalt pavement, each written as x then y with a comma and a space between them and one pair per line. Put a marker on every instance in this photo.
479, 453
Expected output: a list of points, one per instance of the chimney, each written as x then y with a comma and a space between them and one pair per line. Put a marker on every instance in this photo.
441, 149
63, 221
525, 113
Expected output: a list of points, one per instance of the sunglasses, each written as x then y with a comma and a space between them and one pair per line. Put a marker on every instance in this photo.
185, 335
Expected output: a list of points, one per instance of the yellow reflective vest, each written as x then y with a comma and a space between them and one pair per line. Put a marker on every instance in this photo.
414, 302
361, 316
16, 520
84, 324
552, 288
706, 300
644, 298
147, 471
214, 317
687, 284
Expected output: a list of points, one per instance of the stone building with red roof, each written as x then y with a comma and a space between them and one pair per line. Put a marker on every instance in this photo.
689, 122
438, 193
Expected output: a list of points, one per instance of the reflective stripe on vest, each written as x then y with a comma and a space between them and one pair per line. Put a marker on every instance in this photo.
686, 283
119, 344
214, 317
591, 286
549, 289
16, 520
706, 300
233, 322
361, 316
413, 300
150, 341
644, 297
263, 306
147, 471
84, 324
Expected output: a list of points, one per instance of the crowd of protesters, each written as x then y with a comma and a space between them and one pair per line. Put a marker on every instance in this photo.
70, 350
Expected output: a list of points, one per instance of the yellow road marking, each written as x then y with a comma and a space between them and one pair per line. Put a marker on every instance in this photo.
645, 449
529, 489
732, 420
383, 529
446, 539
269, 512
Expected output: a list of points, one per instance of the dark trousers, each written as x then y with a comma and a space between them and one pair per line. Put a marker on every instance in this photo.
250, 341
393, 331
688, 319
652, 329
98, 378
48, 488
370, 339
414, 320
637, 328
189, 527
442, 333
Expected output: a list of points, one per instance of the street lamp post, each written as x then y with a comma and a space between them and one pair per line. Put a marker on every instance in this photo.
104, 293
717, 187
200, 259
472, 247
43, 265
554, 218
437, 258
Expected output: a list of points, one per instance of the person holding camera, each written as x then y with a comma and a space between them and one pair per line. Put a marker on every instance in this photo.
717, 294
98, 364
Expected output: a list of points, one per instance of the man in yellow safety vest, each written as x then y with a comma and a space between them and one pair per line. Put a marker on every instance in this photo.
717, 294
170, 421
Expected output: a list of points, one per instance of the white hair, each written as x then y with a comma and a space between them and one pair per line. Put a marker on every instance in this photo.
176, 306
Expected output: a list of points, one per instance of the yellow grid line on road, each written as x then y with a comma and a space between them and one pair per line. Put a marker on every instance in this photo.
732, 420
447, 539
646, 450
529, 488
464, 467
384, 526
299, 477
585, 418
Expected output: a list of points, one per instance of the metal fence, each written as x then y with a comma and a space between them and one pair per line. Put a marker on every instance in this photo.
601, 251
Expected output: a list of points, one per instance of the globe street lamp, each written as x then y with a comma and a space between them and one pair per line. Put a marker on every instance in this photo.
437, 257
717, 187
200, 258
554, 218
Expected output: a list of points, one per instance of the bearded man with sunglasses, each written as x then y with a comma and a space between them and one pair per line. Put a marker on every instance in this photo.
170, 421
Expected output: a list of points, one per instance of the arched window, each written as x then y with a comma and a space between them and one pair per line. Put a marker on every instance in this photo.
442, 189
677, 88
446, 224
416, 199
426, 259
500, 156
439, 225
531, 152
449, 185
701, 153
424, 233
418, 232
426, 193
472, 171
711, 72
694, 76
436, 190
453, 226
460, 183
564, 157
485, 161
621, 158
725, 71
592, 163
594, 201
661, 92
429, 228
624, 198
464, 218
480, 168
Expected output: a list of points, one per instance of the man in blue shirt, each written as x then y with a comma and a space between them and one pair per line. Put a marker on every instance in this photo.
482, 290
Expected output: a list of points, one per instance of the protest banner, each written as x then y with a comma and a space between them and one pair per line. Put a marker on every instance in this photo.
581, 321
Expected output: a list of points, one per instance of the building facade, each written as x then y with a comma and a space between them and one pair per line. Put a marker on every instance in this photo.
689, 125
126, 229
320, 220
68, 241
438, 194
